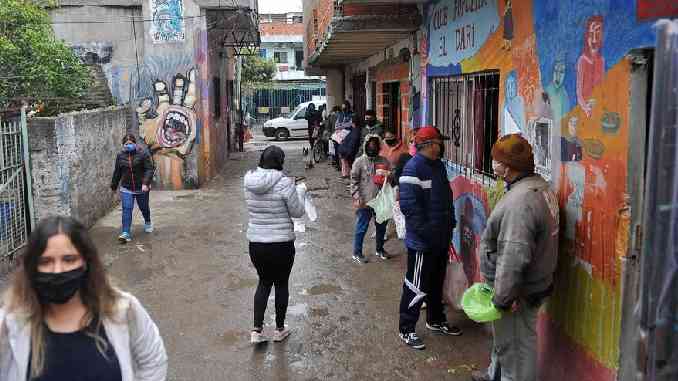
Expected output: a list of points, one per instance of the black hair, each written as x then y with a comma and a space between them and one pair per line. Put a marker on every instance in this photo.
347, 104
273, 157
370, 113
129, 138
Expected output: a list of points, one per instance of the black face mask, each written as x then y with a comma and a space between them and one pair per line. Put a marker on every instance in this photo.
442, 151
371, 151
391, 142
58, 288
371, 122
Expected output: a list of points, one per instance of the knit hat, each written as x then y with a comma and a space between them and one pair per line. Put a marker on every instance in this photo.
514, 151
426, 134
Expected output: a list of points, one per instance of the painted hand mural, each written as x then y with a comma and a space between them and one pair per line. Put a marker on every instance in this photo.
170, 128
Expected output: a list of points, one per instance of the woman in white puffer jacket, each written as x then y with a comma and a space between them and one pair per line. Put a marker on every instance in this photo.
272, 202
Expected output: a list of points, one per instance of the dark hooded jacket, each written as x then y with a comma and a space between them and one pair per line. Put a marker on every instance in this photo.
132, 170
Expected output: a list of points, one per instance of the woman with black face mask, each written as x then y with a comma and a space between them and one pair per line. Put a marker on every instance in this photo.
62, 320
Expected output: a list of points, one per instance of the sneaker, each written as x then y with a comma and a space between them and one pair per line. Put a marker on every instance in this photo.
124, 237
444, 328
148, 228
412, 340
280, 335
382, 254
360, 259
257, 337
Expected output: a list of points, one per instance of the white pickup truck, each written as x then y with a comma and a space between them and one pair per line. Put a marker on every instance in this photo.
294, 126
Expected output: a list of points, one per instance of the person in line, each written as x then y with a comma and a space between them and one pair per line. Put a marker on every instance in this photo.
520, 252
426, 202
372, 127
61, 319
313, 118
344, 119
392, 148
133, 173
367, 176
348, 149
330, 127
272, 201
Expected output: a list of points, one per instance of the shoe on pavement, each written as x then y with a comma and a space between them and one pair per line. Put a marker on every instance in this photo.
257, 337
280, 335
444, 328
360, 259
148, 228
124, 237
412, 340
479, 376
382, 254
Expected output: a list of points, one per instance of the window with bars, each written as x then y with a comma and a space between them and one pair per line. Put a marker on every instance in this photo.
465, 108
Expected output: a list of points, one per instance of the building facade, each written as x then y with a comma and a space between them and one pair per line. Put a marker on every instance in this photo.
574, 78
171, 62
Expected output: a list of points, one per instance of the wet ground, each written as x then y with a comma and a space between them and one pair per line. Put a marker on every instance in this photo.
195, 277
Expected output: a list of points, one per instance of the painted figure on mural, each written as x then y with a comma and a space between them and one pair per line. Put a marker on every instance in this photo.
170, 128
557, 94
514, 106
571, 146
591, 64
508, 25
469, 242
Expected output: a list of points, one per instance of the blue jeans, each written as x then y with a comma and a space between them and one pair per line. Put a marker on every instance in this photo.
127, 200
364, 216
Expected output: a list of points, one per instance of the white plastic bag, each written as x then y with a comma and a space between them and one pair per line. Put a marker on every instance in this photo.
399, 220
383, 203
311, 212
455, 281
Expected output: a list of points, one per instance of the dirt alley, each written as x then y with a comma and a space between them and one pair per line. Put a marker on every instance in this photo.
195, 277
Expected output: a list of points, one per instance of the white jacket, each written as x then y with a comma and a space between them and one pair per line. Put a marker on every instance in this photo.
272, 202
132, 333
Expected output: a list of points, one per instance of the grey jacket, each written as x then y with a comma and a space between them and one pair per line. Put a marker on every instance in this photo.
363, 187
272, 202
519, 248
132, 333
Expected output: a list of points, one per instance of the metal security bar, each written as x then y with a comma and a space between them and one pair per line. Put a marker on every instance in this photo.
16, 202
465, 108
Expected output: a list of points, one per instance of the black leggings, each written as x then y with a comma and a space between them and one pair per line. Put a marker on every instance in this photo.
273, 262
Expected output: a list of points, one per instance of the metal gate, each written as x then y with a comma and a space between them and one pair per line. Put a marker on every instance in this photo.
16, 201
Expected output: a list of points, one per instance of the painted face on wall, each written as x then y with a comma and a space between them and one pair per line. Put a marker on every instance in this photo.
594, 34
559, 74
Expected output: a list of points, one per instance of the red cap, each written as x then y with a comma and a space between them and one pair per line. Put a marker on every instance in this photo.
426, 134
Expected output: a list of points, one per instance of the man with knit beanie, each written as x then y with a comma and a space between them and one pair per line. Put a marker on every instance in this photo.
518, 256
426, 202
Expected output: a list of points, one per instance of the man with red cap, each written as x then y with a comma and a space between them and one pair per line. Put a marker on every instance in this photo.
519, 251
426, 202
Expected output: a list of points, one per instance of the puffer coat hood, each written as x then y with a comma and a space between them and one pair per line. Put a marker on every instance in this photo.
272, 202
262, 180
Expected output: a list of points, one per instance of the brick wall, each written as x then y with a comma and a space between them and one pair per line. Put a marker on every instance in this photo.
72, 159
279, 28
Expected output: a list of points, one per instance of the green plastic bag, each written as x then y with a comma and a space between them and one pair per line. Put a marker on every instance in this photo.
477, 303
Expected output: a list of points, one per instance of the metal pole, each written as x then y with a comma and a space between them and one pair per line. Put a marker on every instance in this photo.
27, 168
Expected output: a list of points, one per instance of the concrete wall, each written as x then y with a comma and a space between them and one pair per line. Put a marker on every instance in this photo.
72, 159
112, 40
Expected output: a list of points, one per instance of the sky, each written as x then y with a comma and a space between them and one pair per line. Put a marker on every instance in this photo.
279, 6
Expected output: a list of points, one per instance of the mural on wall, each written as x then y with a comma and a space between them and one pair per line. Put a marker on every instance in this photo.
170, 127
167, 24
565, 85
591, 64
508, 25
457, 30
514, 107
